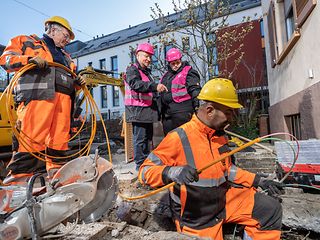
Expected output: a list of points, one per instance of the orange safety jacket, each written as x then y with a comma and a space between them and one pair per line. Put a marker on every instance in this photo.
199, 204
21, 48
29, 87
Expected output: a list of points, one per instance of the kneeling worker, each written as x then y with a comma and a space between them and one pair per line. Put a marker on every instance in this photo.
202, 203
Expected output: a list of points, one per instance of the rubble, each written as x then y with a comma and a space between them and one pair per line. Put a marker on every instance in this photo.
301, 211
150, 218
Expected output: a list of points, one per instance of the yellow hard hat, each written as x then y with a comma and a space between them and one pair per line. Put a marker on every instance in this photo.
220, 90
63, 22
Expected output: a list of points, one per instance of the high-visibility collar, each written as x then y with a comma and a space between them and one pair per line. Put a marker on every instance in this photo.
202, 127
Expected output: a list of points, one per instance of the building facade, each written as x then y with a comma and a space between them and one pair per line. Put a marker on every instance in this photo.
115, 51
292, 53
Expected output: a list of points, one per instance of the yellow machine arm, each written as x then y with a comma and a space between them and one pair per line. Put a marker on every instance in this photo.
95, 77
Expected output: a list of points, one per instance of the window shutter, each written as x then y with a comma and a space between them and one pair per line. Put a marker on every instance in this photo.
303, 9
272, 34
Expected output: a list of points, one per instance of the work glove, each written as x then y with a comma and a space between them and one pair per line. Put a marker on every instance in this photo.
183, 174
80, 81
39, 62
273, 188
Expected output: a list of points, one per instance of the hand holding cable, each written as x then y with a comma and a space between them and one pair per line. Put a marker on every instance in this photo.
80, 81
39, 62
182, 174
273, 188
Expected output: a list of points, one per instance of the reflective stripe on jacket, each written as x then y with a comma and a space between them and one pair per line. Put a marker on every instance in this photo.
199, 204
29, 87
178, 87
133, 98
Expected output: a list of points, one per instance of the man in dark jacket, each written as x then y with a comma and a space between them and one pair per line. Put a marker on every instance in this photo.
140, 107
180, 101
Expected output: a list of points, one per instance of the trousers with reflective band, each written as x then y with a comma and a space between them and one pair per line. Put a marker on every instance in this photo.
133, 98
260, 214
45, 126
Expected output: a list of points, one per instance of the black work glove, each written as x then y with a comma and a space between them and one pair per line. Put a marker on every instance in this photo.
80, 81
183, 174
39, 62
273, 188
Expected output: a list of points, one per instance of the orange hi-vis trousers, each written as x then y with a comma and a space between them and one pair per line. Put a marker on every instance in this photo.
45, 126
260, 214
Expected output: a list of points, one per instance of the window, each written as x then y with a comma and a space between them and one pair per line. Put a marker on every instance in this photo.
115, 96
294, 14
289, 18
155, 56
104, 116
114, 66
90, 64
132, 56
303, 10
261, 28
116, 115
294, 125
4, 79
103, 64
104, 97
87, 47
166, 49
143, 31
185, 44
272, 35
169, 25
213, 56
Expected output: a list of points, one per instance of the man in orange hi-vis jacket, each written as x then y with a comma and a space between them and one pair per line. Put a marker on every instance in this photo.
44, 103
202, 203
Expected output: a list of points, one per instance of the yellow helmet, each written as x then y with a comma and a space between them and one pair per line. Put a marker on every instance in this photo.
220, 90
63, 22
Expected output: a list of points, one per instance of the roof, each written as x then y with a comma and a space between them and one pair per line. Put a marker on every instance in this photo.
145, 30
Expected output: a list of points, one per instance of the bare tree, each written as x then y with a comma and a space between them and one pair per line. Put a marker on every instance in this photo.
206, 38
246, 121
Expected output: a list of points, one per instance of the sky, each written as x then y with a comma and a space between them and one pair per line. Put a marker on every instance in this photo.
87, 18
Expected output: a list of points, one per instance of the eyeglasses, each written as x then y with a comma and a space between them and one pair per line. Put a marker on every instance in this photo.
66, 35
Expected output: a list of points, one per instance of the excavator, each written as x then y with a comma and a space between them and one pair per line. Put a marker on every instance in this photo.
5, 130
81, 190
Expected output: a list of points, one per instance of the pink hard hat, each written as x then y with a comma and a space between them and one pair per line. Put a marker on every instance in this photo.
173, 54
146, 47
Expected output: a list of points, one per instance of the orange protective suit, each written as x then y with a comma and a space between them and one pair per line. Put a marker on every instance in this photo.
45, 123
200, 208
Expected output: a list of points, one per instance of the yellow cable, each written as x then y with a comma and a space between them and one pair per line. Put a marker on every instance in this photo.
199, 171
23, 138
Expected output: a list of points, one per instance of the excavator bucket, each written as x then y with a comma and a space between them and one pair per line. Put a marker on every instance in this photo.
86, 185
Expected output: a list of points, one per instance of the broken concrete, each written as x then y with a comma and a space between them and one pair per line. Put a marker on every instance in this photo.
301, 210
150, 218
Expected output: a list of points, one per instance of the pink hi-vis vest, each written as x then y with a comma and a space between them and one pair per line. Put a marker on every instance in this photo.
133, 98
178, 86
